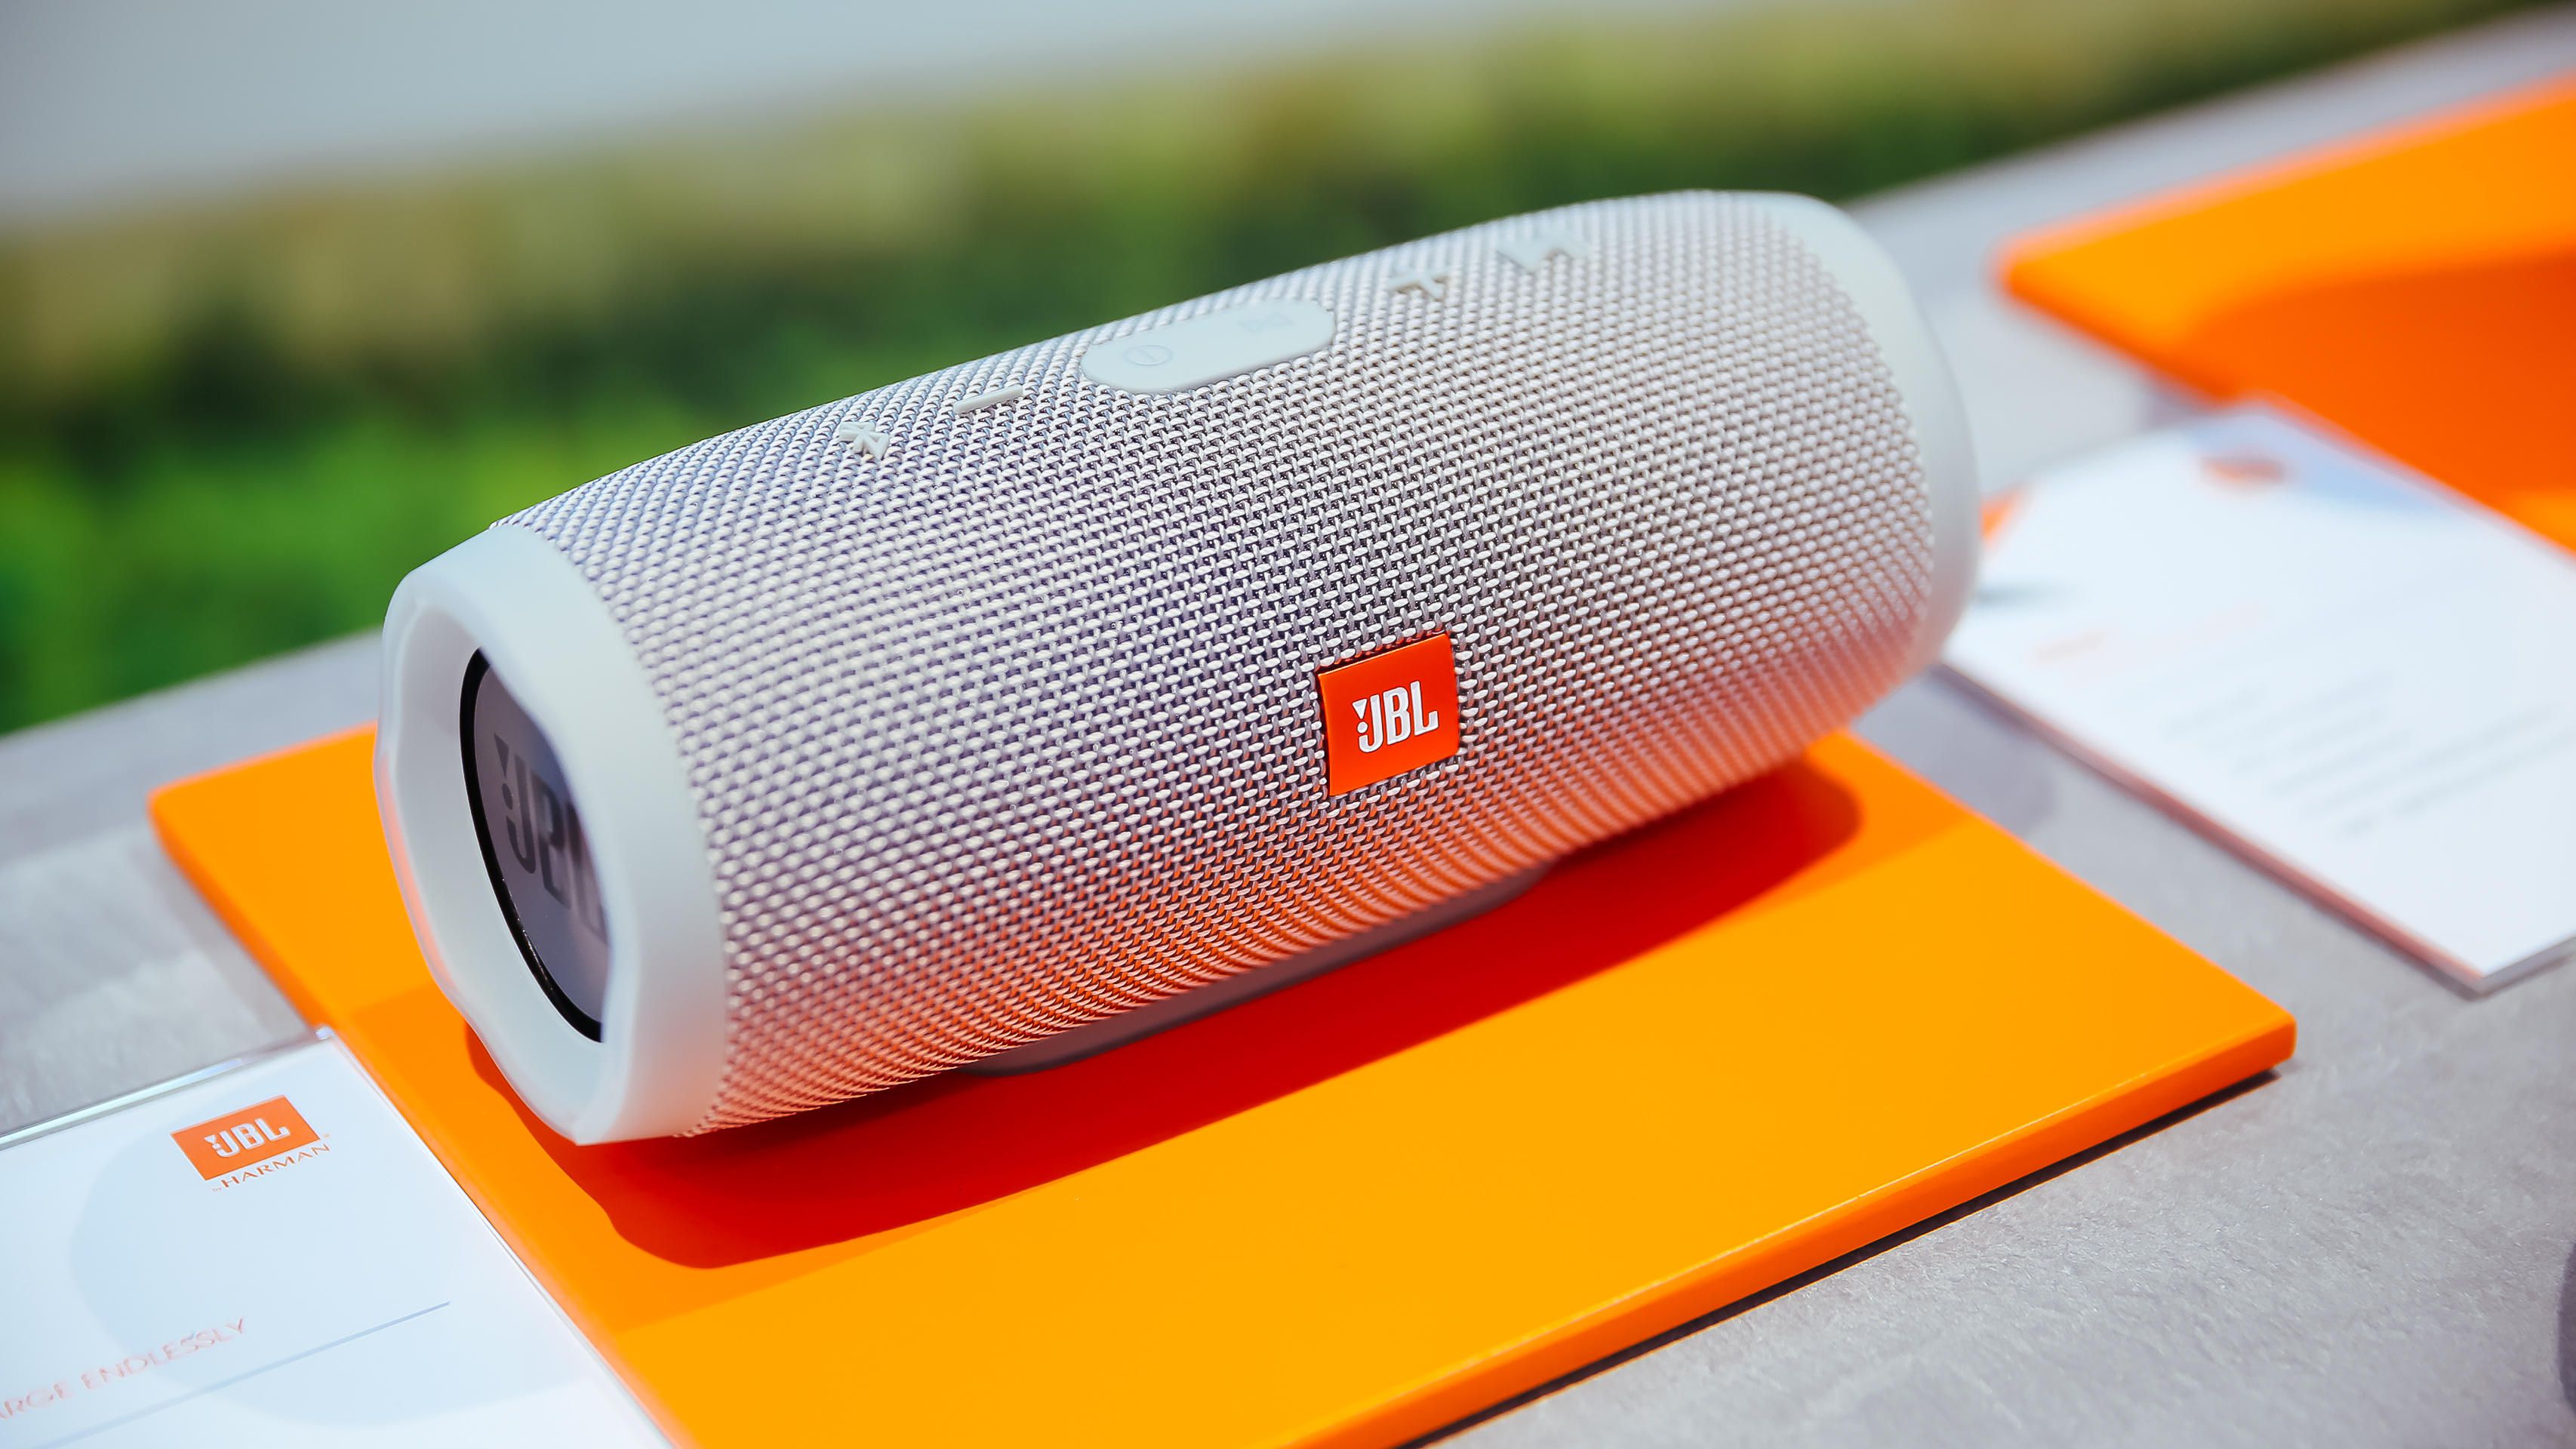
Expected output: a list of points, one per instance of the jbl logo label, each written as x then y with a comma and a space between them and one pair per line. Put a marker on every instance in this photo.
237, 1139
1389, 713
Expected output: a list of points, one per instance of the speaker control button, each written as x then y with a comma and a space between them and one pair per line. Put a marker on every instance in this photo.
1434, 285
1000, 397
1199, 350
866, 437
1536, 249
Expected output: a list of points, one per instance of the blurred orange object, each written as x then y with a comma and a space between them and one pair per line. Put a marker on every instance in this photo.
1684, 1066
2415, 287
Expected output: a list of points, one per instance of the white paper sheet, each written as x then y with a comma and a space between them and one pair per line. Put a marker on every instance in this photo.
2358, 677
204, 1268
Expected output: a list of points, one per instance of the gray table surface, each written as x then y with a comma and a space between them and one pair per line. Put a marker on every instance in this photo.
2372, 1247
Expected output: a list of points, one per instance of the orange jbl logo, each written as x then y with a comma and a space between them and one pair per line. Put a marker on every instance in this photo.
237, 1139
1389, 713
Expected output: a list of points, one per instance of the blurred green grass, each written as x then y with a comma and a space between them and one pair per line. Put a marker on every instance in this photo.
230, 432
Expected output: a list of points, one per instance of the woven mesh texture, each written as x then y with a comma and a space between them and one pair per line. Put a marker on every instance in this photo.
1016, 726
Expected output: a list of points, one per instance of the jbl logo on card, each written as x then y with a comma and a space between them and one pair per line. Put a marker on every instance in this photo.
237, 1139
1389, 713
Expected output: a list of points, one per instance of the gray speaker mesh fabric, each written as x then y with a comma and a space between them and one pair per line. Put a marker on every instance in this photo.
1016, 726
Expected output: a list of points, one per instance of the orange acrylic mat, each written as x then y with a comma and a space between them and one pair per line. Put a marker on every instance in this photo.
2415, 287
1681, 1068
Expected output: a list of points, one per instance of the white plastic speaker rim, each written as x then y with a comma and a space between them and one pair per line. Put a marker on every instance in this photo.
1868, 276
545, 632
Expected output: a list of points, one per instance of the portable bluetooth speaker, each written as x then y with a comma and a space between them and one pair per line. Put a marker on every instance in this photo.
933, 722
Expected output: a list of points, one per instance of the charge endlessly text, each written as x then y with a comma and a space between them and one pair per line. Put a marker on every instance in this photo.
104, 1376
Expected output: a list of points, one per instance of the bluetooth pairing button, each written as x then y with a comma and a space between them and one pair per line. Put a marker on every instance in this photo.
1199, 350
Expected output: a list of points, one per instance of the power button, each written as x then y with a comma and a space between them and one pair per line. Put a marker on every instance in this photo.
1204, 349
